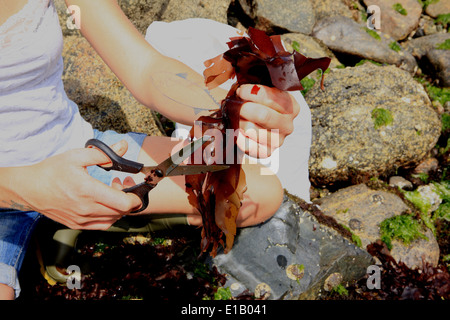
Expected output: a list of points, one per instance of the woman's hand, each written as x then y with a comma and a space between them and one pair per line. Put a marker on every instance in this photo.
60, 188
266, 119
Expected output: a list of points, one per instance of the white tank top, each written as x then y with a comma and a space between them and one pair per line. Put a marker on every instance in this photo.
37, 119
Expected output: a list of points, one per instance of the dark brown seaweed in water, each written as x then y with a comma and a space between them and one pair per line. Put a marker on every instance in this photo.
256, 59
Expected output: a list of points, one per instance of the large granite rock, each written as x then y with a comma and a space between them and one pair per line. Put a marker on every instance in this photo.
309, 46
439, 62
347, 37
401, 22
330, 8
291, 15
419, 47
436, 8
102, 99
184, 9
347, 144
290, 256
363, 209
143, 12
432, 60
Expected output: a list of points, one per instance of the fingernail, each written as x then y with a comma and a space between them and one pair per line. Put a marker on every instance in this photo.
116, 180
119, 146
128, 180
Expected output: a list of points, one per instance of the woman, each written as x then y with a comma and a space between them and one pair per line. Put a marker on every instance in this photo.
44, 168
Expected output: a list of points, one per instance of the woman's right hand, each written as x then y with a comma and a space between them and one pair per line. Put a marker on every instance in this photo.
61, 189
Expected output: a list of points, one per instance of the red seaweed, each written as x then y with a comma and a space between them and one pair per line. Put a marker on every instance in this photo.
258, 59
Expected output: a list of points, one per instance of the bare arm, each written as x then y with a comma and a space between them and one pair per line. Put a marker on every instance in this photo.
172, 88
60, 188
159, 82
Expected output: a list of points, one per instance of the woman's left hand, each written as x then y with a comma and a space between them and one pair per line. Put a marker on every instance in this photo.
266, 119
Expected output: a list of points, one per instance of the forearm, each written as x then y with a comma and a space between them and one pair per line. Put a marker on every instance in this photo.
161, 83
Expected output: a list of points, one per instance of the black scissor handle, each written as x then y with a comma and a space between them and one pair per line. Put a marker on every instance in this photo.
141, 190
118, 163
124, 165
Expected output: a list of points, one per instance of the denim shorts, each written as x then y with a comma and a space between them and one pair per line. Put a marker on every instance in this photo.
16, 227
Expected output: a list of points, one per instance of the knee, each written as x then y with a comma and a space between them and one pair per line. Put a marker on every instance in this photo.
6, 292
262, 199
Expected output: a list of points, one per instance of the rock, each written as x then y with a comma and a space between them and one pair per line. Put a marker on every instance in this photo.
143, 12
426, 166
363, 209
346, 144
439, 60
400, 182
419, 47
140, 12
330, 8
346, 37
426, 27
65, 19
290, 256
332, 281
396, 24
438, 106
309, 46
185, 9
432, 60
431, 196
437, 8
291, 15
102, 99
419, 251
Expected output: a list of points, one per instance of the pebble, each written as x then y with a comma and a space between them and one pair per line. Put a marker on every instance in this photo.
426, 166
400, 182
332, 281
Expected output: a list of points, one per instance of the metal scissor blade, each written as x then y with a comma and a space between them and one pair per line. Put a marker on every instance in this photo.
177, 158
196, 169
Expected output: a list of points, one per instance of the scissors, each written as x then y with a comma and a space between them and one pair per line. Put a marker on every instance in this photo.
154, 174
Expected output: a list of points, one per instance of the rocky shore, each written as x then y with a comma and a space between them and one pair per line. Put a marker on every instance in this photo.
380, 147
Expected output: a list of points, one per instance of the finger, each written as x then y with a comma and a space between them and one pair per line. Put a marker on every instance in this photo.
253, 148
266, 117
195, 220
270, 138
100, 218
274, 98
120, 148
98, 225
89, 157
111, 198
117, 184
128, 182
